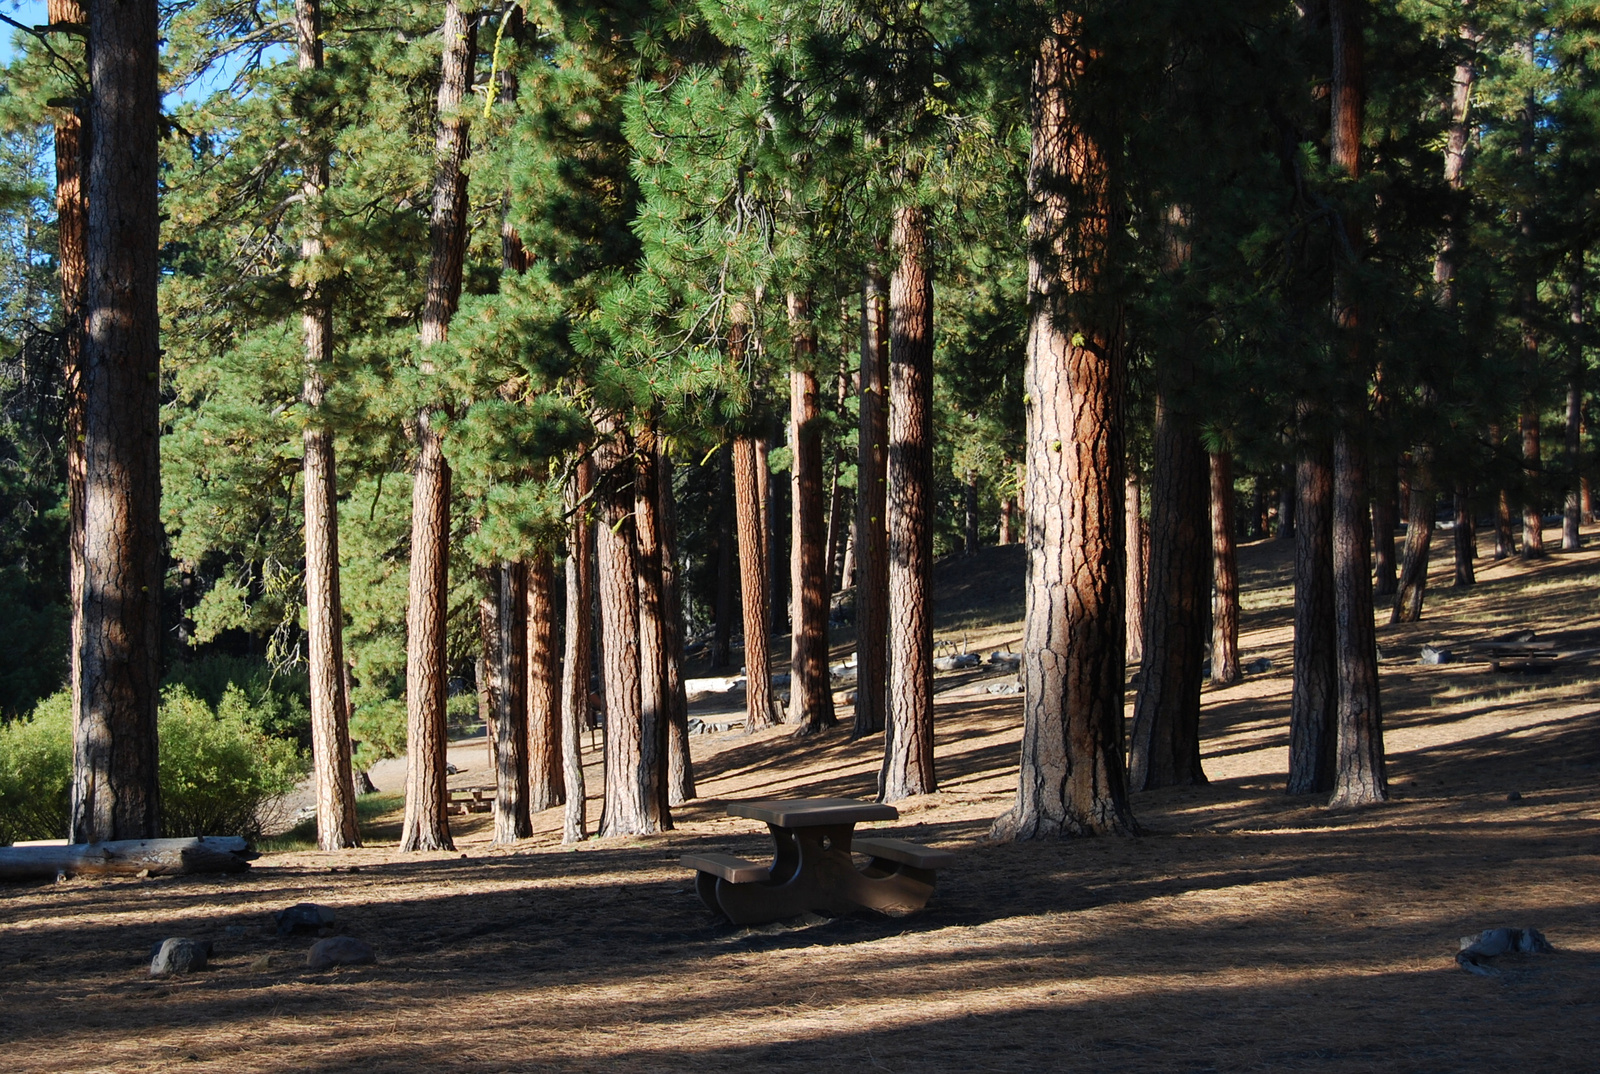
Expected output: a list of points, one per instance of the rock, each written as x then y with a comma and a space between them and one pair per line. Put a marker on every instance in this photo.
1476, 950
304, 917
1430, 655
1004, 688
239, 930
960, 660
178, 955
1258, 666
451, 770
1003, 659
339, 951
1514, 796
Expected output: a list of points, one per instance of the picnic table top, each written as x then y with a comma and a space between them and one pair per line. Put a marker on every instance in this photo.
812, 812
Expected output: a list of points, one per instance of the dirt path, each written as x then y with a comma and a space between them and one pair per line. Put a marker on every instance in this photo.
1246, 931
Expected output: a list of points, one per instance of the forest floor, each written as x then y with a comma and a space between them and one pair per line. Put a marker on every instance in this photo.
1245, 930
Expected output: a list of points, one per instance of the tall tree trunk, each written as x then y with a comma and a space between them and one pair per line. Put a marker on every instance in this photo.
1385, 518
654, 706
970, 506
752, 585
631, 807
838, 501
1007, 505
680, 767
908, 735
810, 688
773, 514
1224, 574
1359, 776
1288, 498
546, 784
1424, 488
1314, 697
1466, 540
1532, 509
575, 666
872, 535
847, 568
1165, 746
1359, 769
330, 729
72, 263
1419, 538
503, 670
1572, 515
115, 791
722, 632
1134, 529
1504, 542
1071, 780
426, 826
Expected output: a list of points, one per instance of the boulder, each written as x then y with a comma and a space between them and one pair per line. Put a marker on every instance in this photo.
1476, 951
304, 917
1431, 655
339, 951
178, 955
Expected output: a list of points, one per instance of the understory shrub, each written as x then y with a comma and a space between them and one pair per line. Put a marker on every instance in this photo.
220, 773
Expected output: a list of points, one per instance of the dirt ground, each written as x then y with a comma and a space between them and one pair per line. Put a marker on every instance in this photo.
1246, 930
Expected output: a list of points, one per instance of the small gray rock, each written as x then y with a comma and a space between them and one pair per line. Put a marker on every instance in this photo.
178, 955
1259, 665
303, 917
1430, 655
953, 663
339, 951
1491, 943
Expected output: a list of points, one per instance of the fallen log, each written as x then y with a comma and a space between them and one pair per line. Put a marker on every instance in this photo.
128, 857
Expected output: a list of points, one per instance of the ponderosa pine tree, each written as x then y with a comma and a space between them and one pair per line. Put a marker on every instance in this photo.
1359, 777
115, 792
908, 735
330, 730
576, 665
810, 686
1072, 780
426, 826
872, 535
680, 766
546, 783
1225, 667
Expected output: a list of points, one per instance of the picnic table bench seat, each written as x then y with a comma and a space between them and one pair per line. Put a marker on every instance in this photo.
732, 869
903, 852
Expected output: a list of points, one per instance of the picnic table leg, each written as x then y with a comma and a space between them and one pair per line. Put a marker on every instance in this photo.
811, 871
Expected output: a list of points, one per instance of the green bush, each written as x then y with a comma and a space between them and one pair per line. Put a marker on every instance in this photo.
280, 701
220, 773
36, 772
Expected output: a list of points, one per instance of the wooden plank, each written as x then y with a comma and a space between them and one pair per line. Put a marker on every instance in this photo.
812, 812
128, 857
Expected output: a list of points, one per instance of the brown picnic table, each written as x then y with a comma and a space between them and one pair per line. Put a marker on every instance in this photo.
812, 867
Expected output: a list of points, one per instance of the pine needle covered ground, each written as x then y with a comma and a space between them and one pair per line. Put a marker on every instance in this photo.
1245, 931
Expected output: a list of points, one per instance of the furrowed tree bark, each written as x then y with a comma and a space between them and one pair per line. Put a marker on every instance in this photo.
546, 785
1133, 527
680, 766
721, 639
632, 806
1164, 749
72, 267
115, 788
810, 687
1224, 574
575, 667
511, 817
752, 585
426, 825
908, 735
1419, 540
1007, 505
330, 729
654, 706
872, 534
1466, 540
1071, 779
1314, 694
1359, 777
